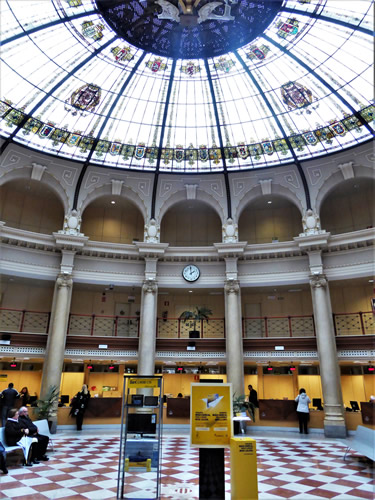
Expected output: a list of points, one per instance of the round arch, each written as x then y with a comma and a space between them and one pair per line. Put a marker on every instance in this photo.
191, 223
180, 196
47, 179
277, 190
266, 219
106, 190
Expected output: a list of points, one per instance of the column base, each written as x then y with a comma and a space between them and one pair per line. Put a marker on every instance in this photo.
332, 430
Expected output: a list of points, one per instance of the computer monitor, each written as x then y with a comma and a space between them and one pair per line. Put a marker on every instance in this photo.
317, 403
141, 423
136, 400
64, 399
32, 399
354, 405
151, 401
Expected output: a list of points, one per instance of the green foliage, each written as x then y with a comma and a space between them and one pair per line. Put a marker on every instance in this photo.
240, 405
47, 407
197, 314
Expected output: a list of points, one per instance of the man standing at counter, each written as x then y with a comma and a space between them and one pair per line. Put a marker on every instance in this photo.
253, 396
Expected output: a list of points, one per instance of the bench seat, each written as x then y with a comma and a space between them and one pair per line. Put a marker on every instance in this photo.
363, 442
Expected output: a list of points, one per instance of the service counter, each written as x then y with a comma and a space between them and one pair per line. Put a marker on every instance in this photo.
271, 413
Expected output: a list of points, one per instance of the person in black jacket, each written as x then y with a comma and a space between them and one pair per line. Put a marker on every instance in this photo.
14, 431
27, 423
8, 397
79, 405
3, 456
253, 396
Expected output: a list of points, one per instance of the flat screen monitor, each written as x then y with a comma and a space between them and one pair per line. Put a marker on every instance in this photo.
142, 423
137, 400
354, 405
32, 399
317, 403
151, 401
64, 399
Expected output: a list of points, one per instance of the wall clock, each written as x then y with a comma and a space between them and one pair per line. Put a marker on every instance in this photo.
191, 273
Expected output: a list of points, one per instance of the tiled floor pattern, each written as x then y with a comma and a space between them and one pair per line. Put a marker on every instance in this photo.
86, 468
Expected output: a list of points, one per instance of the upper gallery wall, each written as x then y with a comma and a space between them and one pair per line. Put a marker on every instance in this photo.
167, 86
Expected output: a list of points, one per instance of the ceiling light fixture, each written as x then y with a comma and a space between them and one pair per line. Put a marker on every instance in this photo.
113, 202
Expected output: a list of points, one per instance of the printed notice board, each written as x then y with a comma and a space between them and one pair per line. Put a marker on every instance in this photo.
211, 415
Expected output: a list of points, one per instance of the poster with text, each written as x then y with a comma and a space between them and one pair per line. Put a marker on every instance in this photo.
211, 415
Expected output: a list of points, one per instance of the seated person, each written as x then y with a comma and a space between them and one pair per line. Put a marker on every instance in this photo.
14, 431
27, 423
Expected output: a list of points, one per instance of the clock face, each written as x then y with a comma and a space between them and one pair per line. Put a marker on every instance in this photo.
191, 273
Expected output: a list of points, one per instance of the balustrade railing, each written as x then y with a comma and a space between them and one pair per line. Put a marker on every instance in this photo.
15, 320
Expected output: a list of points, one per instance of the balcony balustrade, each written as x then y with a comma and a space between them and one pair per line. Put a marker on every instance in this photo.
346, 324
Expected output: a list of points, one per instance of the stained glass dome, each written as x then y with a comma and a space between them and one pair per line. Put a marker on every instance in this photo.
183, 86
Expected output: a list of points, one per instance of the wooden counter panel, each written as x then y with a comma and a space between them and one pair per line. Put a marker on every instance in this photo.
178, 407
368, 413
104, 408
275, 409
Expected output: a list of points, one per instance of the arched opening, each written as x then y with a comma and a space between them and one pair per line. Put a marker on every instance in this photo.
269, 218
349, 207
112, 219
31, 205
191, 223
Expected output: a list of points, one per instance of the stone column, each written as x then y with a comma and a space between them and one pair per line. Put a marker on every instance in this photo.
57, 335
233, 335
147, 335
334, 422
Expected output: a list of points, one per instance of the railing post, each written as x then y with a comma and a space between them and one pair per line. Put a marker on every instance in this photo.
202, 329
22, 320
265, 326
49, 319
157, 327
116, 325
179, 328
290, 326
68, 325
92, 325
313, 322
334, 323
361, 320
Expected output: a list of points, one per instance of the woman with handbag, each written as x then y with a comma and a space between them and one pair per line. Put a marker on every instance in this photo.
79, 404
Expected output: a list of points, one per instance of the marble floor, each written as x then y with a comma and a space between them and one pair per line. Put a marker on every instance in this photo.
85, 466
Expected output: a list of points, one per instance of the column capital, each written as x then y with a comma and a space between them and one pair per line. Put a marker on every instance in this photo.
150, 285
318, 281
64, 280
232, 286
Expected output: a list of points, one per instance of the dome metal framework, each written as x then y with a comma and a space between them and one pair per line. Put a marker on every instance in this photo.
72, 86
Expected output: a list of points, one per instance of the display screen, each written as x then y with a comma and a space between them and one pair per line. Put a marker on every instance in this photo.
142, 423
64, 399
137, 400
151, 401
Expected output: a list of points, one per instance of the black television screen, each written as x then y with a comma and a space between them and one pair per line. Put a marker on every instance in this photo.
142, 423
151, 401
32, 399
64, 399
317, 402
137, 400
354, 405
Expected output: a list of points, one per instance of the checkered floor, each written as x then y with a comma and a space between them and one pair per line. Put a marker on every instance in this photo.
85, 466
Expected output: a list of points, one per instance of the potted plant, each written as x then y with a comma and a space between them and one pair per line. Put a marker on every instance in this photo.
198, 314
240, 406
47, 408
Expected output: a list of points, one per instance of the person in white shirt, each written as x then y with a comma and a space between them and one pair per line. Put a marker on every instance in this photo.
303, 401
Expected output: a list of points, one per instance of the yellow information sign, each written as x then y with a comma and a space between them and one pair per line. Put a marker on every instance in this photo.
211, 415
243, 465
143, 382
